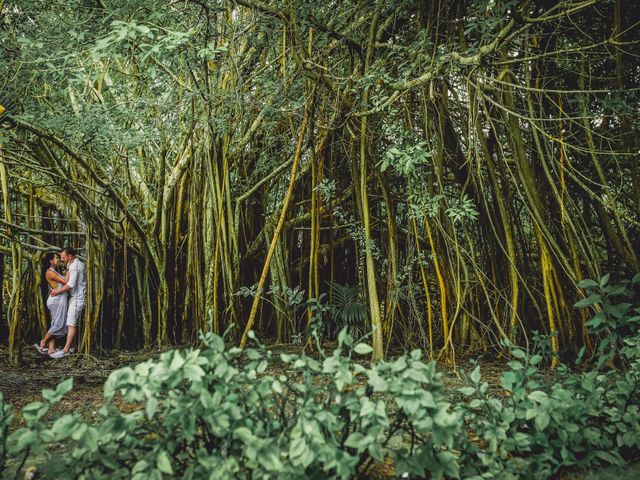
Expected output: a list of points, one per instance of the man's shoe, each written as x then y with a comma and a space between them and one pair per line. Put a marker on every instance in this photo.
59, 354
43, 351
71, 350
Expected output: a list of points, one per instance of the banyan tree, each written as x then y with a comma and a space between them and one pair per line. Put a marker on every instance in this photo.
447, 171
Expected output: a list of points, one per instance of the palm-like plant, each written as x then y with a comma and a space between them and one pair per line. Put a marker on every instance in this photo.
347, 309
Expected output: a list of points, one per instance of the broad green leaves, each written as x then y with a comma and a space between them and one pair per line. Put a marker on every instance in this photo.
223, 408
216, 411
615, 316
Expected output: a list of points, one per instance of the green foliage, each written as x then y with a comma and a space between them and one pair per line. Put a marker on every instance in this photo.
581, 421
326, 188
461, 208
406, 161
318, 322
6, 417
347, 308
617, 314
538, 430
221, 413
33, 438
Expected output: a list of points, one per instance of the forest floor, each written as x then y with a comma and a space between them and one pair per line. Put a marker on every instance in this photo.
23, 384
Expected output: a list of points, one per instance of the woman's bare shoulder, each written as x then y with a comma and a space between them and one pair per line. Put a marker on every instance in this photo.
52, 275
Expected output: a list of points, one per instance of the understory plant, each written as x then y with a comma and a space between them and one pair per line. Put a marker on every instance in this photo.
535, 429
221, 412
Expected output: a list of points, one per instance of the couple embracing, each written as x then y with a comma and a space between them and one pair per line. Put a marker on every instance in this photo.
64, 314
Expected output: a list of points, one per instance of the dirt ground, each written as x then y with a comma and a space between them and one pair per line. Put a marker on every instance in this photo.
23, 384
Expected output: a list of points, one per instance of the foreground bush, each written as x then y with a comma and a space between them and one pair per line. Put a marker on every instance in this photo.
212, 414
219, 413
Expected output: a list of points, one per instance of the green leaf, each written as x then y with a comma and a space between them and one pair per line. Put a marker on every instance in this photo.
23, 438
193, 372
467, 390
163, 463
243, 433
368, 407
538, 396
475, 375
378, 383
34, 411
515, 365
150, 407
108, 462
358, 441
63, 427
176, 362
418, 375
597, 320
587, 302
32, 407
269, 459
64, 387
140, 466
90, 439
611, 457
618, 310
588, 283
297, 447
542, 421
535, 360
276, 386
416, 354
48, 394
518, 353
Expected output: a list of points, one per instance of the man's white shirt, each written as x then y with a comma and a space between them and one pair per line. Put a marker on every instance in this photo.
77, 280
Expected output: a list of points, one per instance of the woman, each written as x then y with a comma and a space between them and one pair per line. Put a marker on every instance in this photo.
57, 305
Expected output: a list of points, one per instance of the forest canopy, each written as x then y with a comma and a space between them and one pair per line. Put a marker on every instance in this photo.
443, 173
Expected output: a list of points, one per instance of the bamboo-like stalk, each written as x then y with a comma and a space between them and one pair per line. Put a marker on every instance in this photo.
276, 234
425, 286
15, 299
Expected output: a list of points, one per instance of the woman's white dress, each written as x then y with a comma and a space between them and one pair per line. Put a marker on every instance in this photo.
58, 307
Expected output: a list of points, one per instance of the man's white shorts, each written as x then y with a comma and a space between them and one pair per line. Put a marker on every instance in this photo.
74, 312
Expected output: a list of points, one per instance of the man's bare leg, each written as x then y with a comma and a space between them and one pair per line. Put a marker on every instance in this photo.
71, 334
52, 345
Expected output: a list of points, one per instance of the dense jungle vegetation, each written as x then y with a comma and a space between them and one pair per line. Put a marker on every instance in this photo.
442, 172
381, 186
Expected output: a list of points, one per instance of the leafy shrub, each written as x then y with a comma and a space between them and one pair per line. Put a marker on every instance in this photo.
616, 316
538, 430
5, 420
218, 413
221, 413
582, 420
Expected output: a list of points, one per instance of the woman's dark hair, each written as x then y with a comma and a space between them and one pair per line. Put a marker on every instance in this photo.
46, 261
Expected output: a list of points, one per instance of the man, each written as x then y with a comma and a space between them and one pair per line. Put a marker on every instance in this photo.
77, 286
